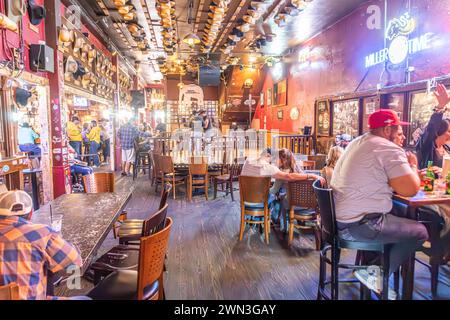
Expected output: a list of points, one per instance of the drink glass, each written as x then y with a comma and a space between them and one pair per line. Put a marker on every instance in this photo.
57, 222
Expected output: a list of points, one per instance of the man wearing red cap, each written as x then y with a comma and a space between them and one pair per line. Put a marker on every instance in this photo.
371, 169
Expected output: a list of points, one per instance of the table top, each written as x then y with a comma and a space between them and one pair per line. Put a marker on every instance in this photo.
423, 198
87, 218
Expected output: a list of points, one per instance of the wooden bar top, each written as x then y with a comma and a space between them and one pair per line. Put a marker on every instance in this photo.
87, 218
423, 198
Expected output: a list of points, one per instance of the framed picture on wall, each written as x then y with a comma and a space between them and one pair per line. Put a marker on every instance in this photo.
346, 118
279, 93
269, 96
323, 116
280, 114
422, 105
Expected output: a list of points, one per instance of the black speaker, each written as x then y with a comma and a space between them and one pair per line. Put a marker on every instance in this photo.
137, 99
208, 76
41, 58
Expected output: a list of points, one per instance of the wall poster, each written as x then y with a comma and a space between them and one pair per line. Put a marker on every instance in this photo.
323, 118
345, 118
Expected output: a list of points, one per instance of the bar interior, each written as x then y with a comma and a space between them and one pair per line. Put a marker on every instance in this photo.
224, 150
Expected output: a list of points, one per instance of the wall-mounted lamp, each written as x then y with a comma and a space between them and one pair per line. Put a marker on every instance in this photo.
248, 83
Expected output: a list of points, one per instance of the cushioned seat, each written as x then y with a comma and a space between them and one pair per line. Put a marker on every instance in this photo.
254, 206
178, 177
304, 212
224, 177
121, 285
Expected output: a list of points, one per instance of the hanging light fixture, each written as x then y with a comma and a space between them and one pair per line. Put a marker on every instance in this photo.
191, 39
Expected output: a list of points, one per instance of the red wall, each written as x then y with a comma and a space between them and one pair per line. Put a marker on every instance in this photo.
342, 65
11, 39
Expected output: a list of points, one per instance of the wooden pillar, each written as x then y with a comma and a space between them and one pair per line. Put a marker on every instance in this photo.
116, 123
57, 136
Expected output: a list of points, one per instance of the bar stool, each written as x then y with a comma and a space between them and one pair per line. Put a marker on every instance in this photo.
143, 162
34, 186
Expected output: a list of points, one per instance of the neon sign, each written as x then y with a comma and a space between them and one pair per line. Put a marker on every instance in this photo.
400, 46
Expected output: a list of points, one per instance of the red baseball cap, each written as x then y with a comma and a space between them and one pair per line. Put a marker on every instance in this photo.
385, 117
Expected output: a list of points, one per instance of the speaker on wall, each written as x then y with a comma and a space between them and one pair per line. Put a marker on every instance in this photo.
137, 99
41, 58
208, 76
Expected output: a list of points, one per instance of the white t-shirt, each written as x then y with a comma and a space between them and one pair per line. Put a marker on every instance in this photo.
258, 168
361, 175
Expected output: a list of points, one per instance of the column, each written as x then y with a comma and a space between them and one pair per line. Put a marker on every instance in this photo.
57, 134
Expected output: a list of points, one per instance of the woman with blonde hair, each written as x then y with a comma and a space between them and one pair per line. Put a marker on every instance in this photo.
333, 156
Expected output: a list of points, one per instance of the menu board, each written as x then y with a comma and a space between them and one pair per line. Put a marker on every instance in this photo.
345, 118
422, 105
323, 118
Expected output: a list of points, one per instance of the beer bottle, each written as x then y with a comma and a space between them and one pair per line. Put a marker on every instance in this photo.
447, 189
429, 178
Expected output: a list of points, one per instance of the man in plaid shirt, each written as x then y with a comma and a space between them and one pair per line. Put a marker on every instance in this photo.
128, 134
27, 250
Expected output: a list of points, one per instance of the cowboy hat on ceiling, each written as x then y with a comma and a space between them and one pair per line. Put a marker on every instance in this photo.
21, 96
16, 9
35, 12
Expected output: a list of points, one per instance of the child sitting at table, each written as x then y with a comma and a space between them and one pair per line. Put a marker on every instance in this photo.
278, 201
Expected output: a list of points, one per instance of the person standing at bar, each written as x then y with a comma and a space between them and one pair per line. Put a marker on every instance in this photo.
26, 138
128, 134
94, 140
364, 179
106, 139
74, 134
29, 251
160, 127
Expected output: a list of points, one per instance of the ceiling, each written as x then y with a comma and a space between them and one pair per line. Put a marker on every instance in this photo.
191, 16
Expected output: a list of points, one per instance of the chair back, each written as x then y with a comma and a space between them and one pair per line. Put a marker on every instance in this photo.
319, 159
156, 162
301, 194
166, 164
254, 189
99, 182
235, 170
308, 165
9, 292
164, 195
155, 223
152, 253
325, 202
200, 169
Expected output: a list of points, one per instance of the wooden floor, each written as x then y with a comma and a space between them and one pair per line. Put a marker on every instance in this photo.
206, 260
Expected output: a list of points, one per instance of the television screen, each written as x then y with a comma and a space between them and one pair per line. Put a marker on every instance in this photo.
208, 76
80, 102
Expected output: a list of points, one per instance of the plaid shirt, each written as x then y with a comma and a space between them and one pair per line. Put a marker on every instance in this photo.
128, 134
27, 251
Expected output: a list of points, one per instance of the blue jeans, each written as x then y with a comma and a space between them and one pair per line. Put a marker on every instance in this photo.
107, 149
77, 169
76, 145
33, 149
93, 149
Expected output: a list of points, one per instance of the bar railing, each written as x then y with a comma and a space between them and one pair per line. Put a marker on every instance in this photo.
303, 144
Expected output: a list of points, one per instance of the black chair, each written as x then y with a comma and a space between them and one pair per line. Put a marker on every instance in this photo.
332, 242
142, 161
132, 230
123, 257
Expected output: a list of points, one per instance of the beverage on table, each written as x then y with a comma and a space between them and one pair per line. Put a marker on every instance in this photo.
429, 178
447, 189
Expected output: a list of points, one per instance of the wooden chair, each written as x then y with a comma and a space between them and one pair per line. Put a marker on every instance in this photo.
103, 182
234, 171
156, 171
254, 193
308, 165
147, 282
168, 173
303, 209
198, 176
132, 229
9, 292
125, 257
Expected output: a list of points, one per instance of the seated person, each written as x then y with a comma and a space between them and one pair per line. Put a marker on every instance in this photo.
262, 167
278, 192
333, 156
372, 167
77, 166
27, 137
29, 251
